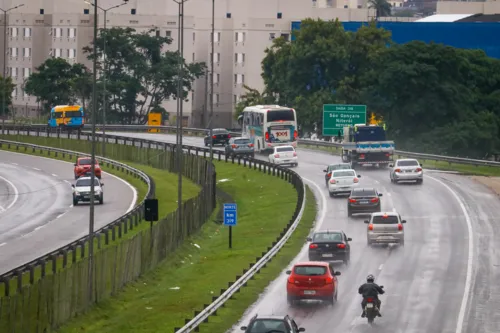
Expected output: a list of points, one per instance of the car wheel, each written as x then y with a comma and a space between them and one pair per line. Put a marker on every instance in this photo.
99, 177
347, 262
368, 242
291, 300
349, 212
101, 200
76, 176
420, 181
402, 243
75, 202
331, 194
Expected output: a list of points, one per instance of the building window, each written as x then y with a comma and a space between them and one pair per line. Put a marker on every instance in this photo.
236, 99
13, 51
27, 52
27, 72
168, 33
25, 94
72, 53
240, 37
13, 32
58, 32
239, 78
216, 98
194, 36
13, 71
239, 58
216, 38
71, 32
58, 53
27, 32
215, 58
272, 36
216, 77
14, 92
285, 36
194, 55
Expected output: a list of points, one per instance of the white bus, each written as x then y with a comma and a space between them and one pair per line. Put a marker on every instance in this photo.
269, 126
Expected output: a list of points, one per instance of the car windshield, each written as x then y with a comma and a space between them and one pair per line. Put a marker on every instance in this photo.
283, 149
391, 219
408, 163
363, 193
242, 141
71, 114
339, 167
86, 182
310, 270
344, 174
266, 325
327, 237
85, 161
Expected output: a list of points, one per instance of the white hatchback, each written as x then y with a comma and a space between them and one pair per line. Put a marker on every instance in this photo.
343, 182
284, 155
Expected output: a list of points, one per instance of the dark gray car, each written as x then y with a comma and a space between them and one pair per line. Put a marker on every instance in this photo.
240, 147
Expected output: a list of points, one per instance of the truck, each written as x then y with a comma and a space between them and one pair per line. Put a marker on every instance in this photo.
367, 145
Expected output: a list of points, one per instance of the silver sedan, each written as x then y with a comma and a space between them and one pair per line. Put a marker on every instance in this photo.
406, 170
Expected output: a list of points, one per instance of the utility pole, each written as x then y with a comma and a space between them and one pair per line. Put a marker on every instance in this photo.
212, 84
205, 103
180, 99
4, 71
104, 70
92, 167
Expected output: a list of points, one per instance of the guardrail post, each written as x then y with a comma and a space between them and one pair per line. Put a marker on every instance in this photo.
31, 269
19, 276
42, 264
53, 258
6, 283
82, 249
65, 258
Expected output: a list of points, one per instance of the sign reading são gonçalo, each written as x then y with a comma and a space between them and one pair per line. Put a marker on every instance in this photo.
336, 116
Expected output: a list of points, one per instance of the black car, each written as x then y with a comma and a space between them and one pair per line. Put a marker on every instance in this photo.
281, 324
330, 245
363, 200
220, 136
332, 167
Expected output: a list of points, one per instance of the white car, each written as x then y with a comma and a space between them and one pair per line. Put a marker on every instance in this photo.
343, 182
284, 155
81, 190
407, 170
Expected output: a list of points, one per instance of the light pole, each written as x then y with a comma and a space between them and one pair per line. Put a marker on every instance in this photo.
92, 162
212, 84
104, 92
180, 99
4, 71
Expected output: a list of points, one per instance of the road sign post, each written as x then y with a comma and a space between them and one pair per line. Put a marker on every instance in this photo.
336, 116
230, 219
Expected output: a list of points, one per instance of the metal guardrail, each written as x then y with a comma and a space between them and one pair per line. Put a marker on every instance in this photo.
126, 222
263, 166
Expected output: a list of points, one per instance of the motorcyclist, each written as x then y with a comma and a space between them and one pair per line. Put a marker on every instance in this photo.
370, 289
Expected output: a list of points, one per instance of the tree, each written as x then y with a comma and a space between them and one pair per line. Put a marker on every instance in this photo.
6, 89
382, 7
139, 74
252, 97
57, 82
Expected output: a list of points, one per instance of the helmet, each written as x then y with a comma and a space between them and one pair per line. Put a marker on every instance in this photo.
370, 278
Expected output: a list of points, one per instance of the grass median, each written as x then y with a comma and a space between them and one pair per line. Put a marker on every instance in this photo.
428, 164
165, 181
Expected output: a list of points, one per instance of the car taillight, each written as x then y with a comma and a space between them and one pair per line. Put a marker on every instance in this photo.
291, 280
229, 136
355, 180
400, 226
250, 145
341, 246
397, 170
370, 226
295, 134
388, 155
329, 175
277, 155
294, 154
352, 200
419, 169
313, 246
369, 300
234, 146
362, 156
214, 137
374, 200
329, 280
267, 136
332, 181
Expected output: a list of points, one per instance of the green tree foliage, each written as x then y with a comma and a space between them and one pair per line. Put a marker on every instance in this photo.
6, 89
140, 75
253, 97
382, 7
433, 98
57, 82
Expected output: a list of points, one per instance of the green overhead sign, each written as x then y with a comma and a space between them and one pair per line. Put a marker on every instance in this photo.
337, 116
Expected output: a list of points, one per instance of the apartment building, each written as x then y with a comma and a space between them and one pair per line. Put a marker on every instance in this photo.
243, 30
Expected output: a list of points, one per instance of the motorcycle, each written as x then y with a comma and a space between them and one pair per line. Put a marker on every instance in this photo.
371, 309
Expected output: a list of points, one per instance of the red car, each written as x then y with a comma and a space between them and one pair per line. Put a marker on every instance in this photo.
312, 280
82, 167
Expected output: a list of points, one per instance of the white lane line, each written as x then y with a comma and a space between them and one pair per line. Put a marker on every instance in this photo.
37, 169
60, 215
67, 181
134, 191
470, 257
3, 244
380, 267
54, 175
40, 227
16, 193
14, 164
70, 206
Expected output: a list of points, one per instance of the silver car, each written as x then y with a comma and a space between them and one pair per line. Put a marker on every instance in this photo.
407, 170
239, 147
385, 228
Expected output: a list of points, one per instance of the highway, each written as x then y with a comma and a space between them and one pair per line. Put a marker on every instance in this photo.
445, 278
36, 211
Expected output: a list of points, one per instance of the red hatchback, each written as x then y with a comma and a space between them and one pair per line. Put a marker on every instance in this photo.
312, 280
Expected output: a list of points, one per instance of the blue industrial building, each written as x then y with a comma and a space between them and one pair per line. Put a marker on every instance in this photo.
466, 35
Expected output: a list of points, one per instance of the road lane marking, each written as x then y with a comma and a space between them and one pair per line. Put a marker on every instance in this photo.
54, 175
37, 169
3, 244
14, 164
380, 267
2, 209
470, 257
16, 193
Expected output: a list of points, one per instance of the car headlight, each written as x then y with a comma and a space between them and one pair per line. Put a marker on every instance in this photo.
98, 191
77, 193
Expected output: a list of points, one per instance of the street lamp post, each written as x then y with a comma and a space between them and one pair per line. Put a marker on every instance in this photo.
4, 70
92, 163
180, 98
104, 92
212, 83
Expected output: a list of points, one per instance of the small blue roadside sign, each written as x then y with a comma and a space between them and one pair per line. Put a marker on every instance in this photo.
230, 214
